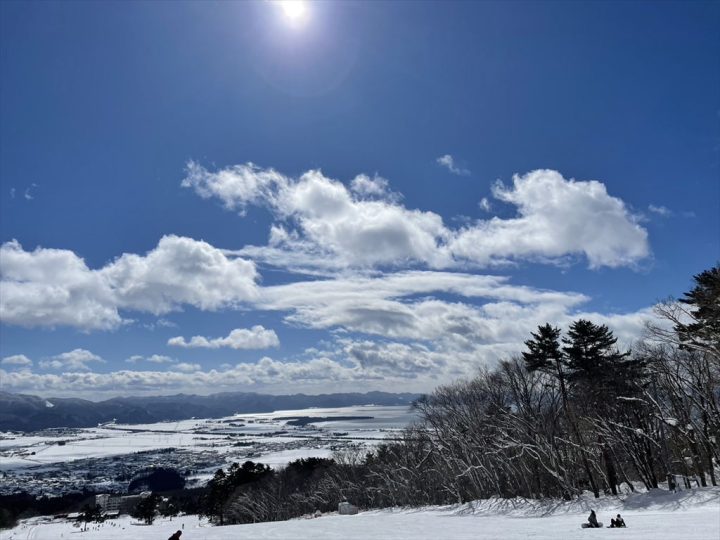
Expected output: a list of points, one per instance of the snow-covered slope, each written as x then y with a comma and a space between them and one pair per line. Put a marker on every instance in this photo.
688, 515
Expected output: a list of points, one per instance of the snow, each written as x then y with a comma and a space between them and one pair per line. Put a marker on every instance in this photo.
206, 434
658, 515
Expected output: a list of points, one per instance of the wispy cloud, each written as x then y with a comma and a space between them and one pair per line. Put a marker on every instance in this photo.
448, 162
660, 210
29, 195
154, 359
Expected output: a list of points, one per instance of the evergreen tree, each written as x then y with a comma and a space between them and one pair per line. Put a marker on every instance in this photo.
596, 367
544, 352
218, 491
145, 509
703, 331
91, 513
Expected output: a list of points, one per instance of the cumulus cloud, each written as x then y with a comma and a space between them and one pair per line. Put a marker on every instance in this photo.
180, 271
17, 360
556, 217
266, 373
329, 218
77, 359
236, 186
448, 162
322, 220
53, 287
257, 337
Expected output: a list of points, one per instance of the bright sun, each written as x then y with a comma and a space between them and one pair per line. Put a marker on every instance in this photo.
294, 10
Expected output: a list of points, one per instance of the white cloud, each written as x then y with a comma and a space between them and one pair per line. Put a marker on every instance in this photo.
448, 162
491, 322
346, 364
235, 186
180, 271
399, 306
267, 374
77, 359
330, 220
29, 195
19, 360
484, 204
53, 287
256, 337
660, 210
186, 367
160, 359
160, 323
155, 359
322, 220
557, 217
375, 187
396, 359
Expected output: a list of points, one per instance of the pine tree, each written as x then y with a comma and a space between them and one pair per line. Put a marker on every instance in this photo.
704, 330
544, 354
596, 368
218, 491
145, 509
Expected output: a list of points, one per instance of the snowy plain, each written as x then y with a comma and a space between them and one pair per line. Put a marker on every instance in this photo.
658, 515
59, 461
119, 439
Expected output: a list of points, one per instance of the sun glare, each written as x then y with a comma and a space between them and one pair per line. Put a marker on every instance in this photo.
295, 11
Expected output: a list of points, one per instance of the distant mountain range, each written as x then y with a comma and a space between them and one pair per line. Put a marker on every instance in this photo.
21, 412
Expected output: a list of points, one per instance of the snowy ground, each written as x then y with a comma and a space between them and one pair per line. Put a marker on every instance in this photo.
688, 515
59, 461
21, 451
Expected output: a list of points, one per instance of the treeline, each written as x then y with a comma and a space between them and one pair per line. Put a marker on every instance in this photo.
23, 505
574, 412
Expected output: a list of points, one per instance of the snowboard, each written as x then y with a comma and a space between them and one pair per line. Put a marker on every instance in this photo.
587, 526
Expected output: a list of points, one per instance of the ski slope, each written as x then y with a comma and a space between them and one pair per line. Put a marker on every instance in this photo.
659, 515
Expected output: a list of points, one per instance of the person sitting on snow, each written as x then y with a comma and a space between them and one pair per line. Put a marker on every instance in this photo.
175, 536
592, 519
617, 522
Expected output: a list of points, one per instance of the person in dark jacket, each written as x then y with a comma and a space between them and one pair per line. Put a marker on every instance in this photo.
176, 536
592, 519
617, 522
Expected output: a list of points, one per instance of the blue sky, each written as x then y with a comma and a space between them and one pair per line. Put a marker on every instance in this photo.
372, 196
